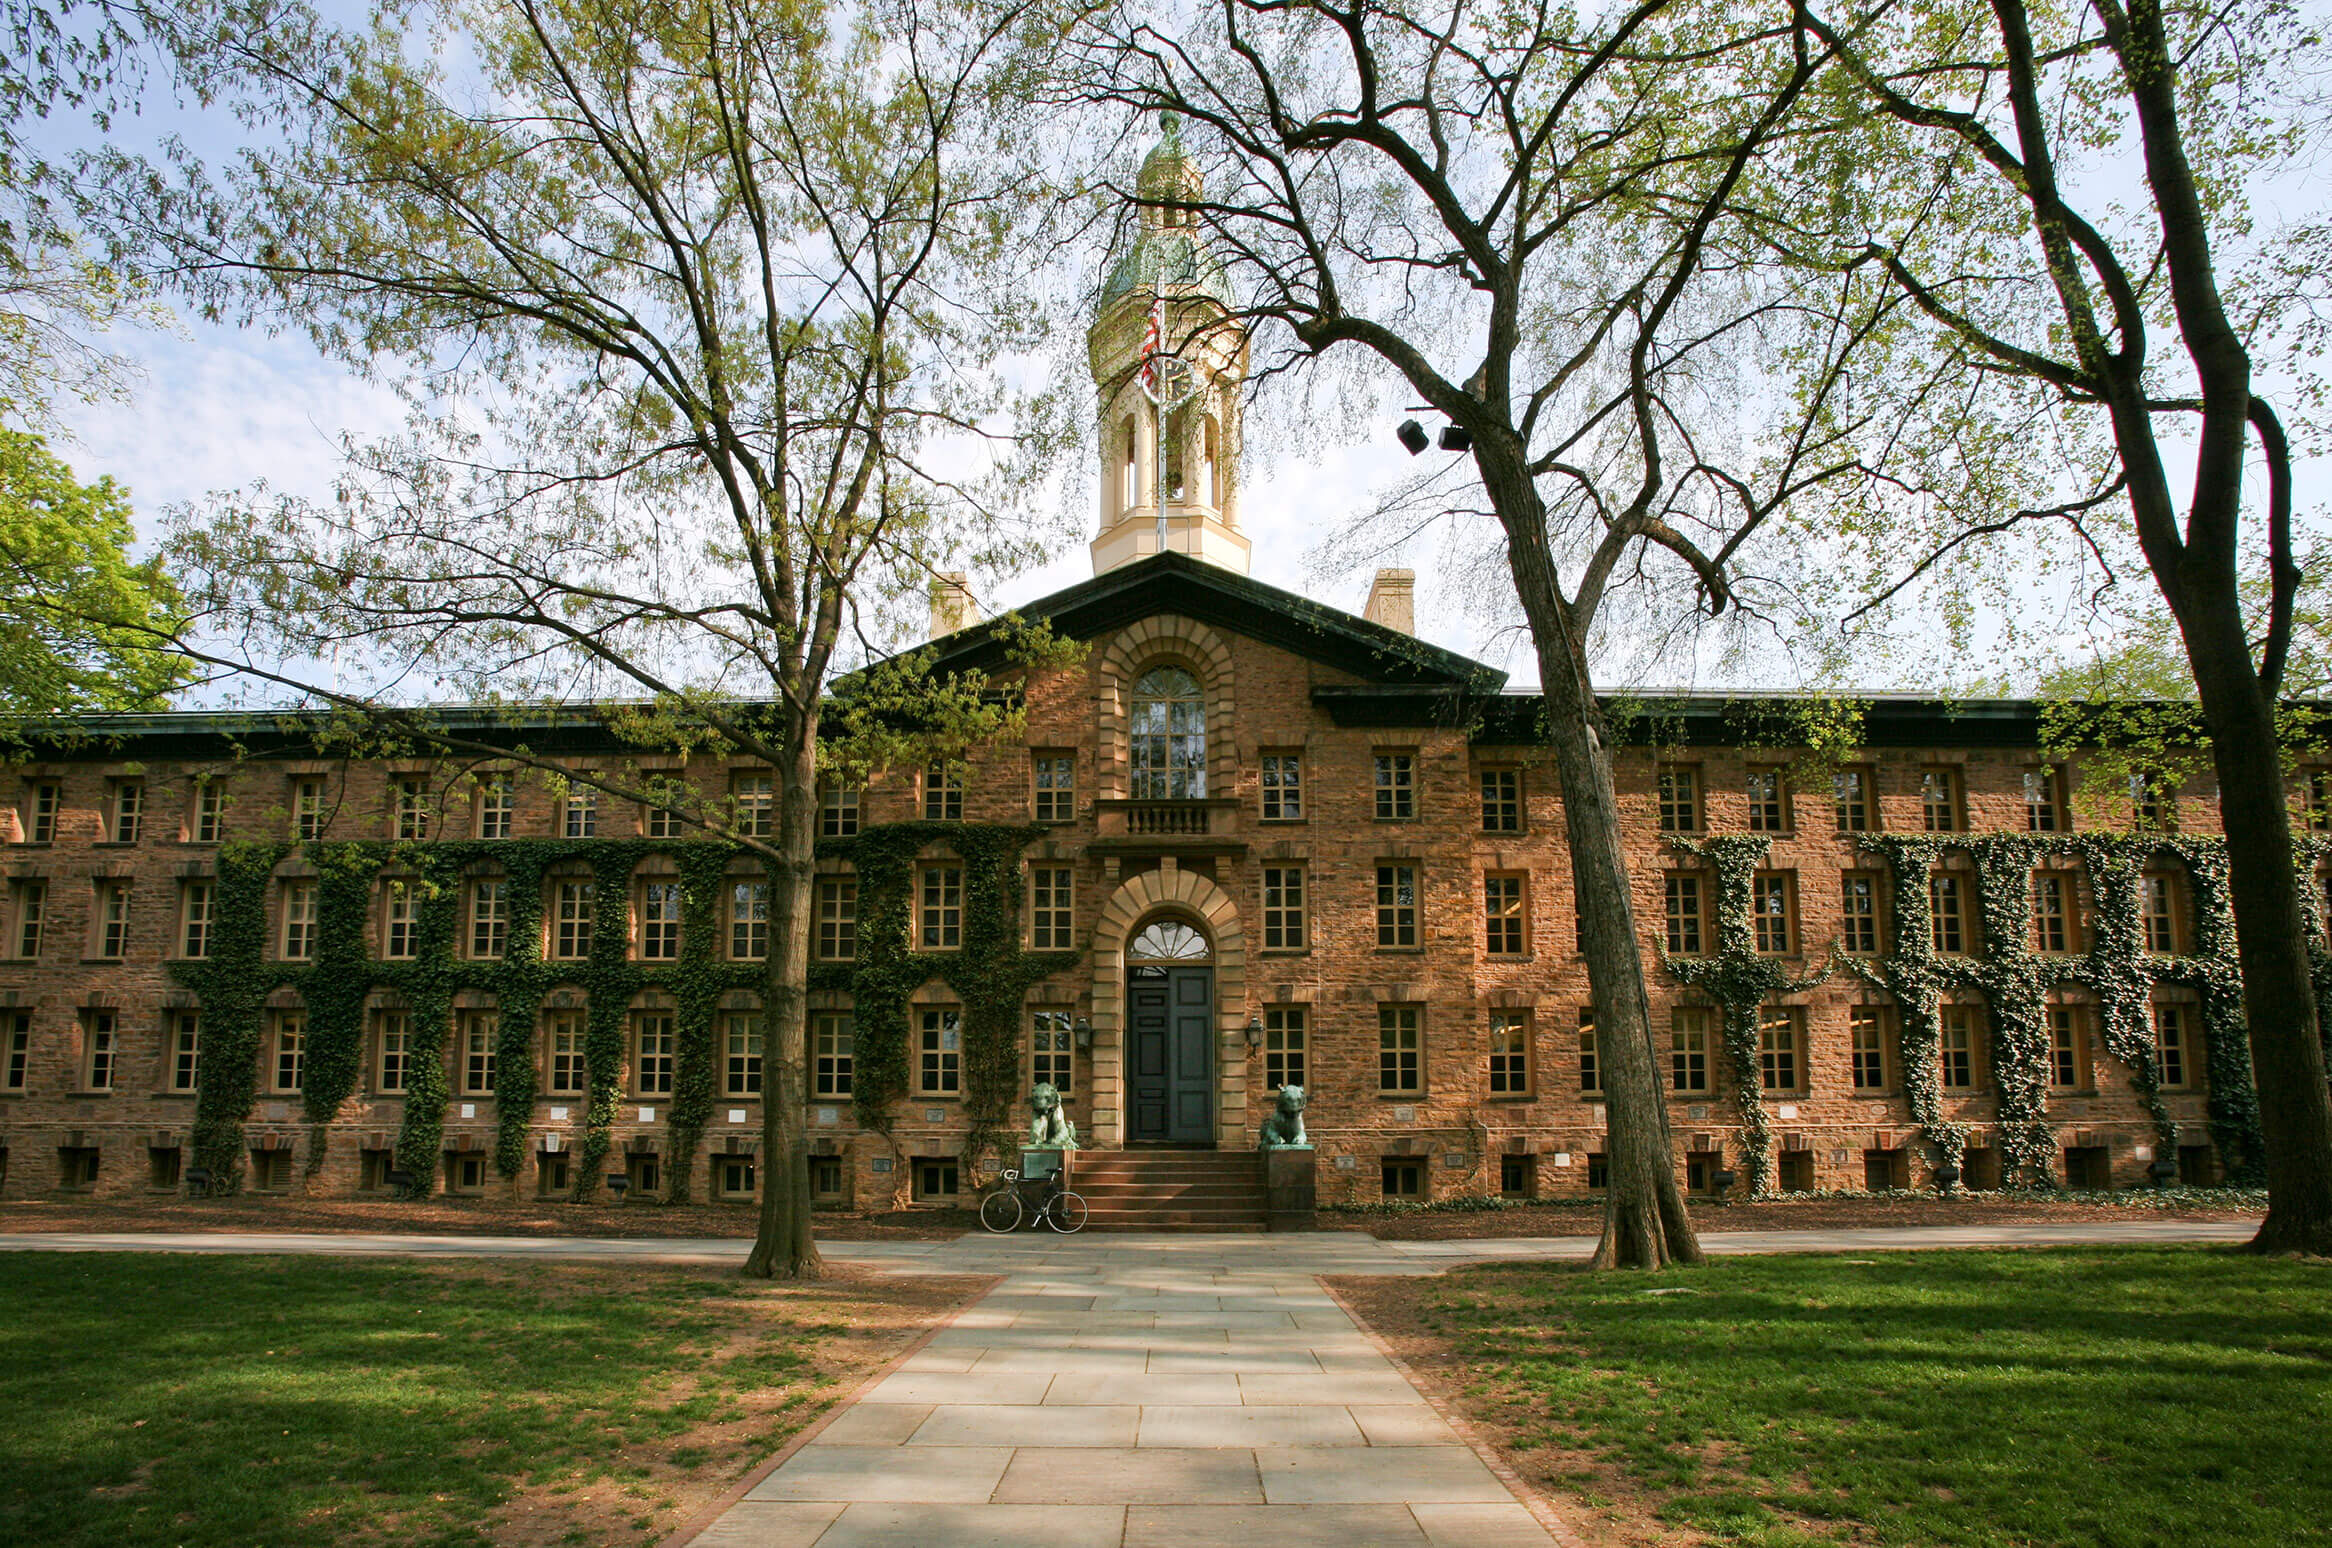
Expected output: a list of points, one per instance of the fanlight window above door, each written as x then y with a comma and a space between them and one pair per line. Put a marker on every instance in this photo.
1169, 941
1166, 737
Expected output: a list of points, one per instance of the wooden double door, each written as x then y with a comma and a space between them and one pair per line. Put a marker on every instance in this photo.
1171, 1075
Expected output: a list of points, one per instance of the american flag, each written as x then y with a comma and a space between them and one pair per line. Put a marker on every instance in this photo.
1153, 335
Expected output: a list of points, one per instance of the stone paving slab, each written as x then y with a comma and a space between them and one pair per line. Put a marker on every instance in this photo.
946, 1475
1054, 1475
1290, 1526
976, 1526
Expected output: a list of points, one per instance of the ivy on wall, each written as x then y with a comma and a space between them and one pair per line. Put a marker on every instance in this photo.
2015, 982
990, 975
337, 985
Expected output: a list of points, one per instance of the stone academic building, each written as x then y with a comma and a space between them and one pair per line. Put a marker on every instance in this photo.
1247, 840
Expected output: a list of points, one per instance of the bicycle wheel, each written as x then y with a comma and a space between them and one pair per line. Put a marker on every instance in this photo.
1066, 1213
1000, 1211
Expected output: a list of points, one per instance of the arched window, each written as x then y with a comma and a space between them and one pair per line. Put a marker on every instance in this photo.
1167, 733
1210, 487
1168, 940
1129, 467
1177, 449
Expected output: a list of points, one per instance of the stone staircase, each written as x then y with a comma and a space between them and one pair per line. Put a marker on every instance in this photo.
1170, 1190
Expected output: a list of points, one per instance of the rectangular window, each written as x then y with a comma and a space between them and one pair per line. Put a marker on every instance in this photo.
309, 813
1946, 924
185, 1049
2158, 911
412, 808
19, 1024
943, 907
1396, 784
1055, 786
940, 1052
41, 801
2043, 801
101, 1031
1283, 908
489, 918
2052, 912
748, 921
393, 1035
1939, 800
210, 813
838, 918
1679, 798
2319, 812
733, 1177
1768, 801
755, 795
1052, 1051
943, 793
1400, 1049
1855, 792
2068, 1048
838, 811
1590, 1067
1051, 914
291, 1050
833, 1035
2154, 800
497, 808
31, 916
1866, 1032
741, 1053
113, 918
660, 921
654, 1048
1773, 912
573, 907
1502, 800
1955, 1053
569, 1066
1396, 906
1688, 1048
1283, 787
579, 813
1858, 919
2170, 1044
1781, 1048
1506, 932
1284, 1046
401, 920
197, 900
1509, 1054
480, 1030
660, 814
129, 810
1683, 914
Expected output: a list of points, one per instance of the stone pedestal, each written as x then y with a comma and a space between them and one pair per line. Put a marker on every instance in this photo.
1290, 1197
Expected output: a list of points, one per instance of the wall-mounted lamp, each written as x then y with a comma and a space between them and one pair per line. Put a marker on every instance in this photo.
1084, 1035
1254, 1033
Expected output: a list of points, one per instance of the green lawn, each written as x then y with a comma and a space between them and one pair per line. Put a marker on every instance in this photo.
2176, 1396
230, 1400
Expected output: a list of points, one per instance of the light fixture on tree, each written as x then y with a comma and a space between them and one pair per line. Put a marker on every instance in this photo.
1413, 436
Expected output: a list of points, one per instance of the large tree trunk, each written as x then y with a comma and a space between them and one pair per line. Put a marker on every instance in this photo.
782, 1244
2287, 1059
1645, 1222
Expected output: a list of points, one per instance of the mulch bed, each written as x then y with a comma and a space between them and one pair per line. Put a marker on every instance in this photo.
456, 1217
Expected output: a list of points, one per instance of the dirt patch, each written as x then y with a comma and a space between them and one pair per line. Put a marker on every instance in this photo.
456, 1217
1586, 1218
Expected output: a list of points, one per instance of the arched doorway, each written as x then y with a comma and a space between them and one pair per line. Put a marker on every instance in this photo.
1170, 1040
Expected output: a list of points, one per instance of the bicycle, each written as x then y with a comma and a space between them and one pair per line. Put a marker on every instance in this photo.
1004, 1209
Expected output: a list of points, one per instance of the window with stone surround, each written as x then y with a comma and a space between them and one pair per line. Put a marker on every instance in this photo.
574, 909
741, 1053
184, 1030
754, 794
1053, 786
19, 1050
660, 919
1679, 786
1858, 913
1590, 1066
411, 793
126, 808
1510, 1071
1855, 798
207, 823
748, 921
1400, 1050
1683, 905
2044, 800
1396, 786
567, 1066
1688, 1048
497, 808
2173, 1044
43, 799
299, 919
1505, 924
837, 918
1051, 908
1283, 908
2153, 800
392, 1039
1166, 736
1502, 806
838, 811
1284, 1028
1781, 1048
1940, 809
943, 793
400, 919
2069, 1048
2317, 800
100, 1047
287, 1049
939, 1049
1052, 1054
112, 896
942, 907
1959, 1035
655, 1048
1947, 910
489, 917
480, 1033
2055, 921
1867, 1027
1396, 907
28, 909
197, 902
579, 813
1283, 787
660, 814
1773, 912
1768, 800
833, 1035
2162, 912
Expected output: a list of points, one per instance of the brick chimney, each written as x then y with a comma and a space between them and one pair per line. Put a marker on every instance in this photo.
952, 607
1392, 600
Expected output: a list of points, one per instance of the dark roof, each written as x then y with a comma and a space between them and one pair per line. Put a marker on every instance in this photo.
1177, 583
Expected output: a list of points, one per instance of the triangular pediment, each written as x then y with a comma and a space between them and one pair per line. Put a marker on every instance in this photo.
1172, 583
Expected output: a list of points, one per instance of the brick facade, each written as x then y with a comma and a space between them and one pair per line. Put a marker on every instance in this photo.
1200, 860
